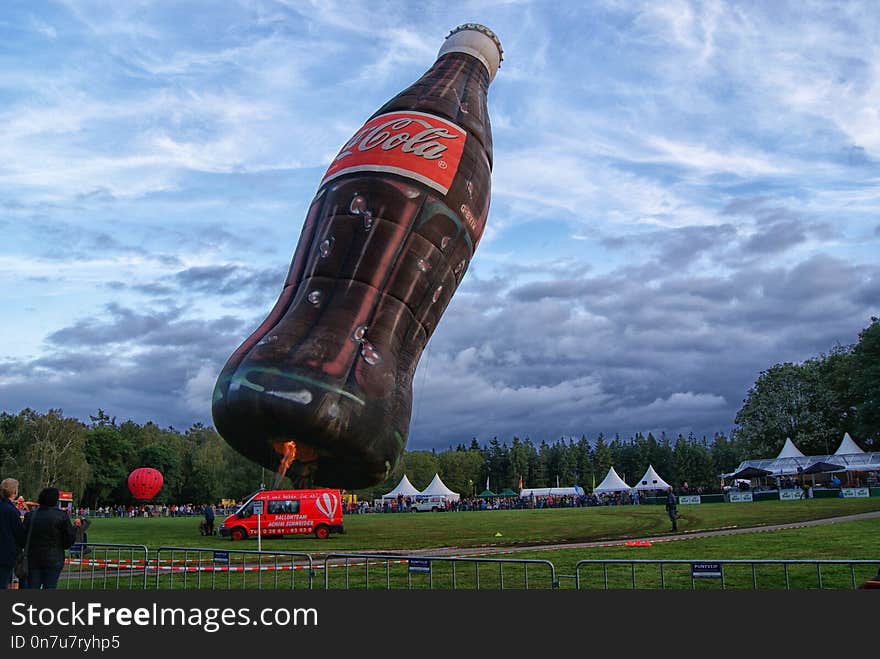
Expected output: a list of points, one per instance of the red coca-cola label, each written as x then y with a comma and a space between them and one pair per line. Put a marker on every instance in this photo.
413, 144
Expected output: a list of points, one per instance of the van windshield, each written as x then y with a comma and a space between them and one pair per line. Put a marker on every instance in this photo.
246, 507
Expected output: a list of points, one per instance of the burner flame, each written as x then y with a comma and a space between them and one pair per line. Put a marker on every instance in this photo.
289, 451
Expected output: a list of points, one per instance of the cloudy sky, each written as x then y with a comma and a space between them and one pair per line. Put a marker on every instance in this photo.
684, 194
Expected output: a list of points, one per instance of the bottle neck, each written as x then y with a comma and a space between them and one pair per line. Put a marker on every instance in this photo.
455, 88
460, 77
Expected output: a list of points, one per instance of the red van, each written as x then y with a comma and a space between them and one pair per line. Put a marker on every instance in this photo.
287, 512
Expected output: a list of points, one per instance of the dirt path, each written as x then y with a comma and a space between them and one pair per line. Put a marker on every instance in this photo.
673, 537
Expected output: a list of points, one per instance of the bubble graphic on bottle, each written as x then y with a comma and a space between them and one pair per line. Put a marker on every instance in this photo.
314, 298
368, 220
437, 293
326, 247
444, 242
459, 268
359, 333
370, 354
358, 205
423, 265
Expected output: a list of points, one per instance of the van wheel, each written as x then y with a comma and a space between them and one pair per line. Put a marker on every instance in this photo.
321, 531
435, 509
238, 533
414, 510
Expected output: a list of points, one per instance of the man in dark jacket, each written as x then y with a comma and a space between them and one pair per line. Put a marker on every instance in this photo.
672, 509
11, 531
209, 519
52, 535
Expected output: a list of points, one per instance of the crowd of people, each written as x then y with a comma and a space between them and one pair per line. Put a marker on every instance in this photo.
405, 504
156, 510
32, 544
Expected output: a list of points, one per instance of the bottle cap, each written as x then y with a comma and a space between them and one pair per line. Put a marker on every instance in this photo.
476, 40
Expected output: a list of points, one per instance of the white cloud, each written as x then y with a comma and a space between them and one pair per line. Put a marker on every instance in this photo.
198, 389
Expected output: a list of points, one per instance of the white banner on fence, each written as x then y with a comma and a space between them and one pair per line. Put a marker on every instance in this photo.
790, 495
686, 499
855, 492
740, 497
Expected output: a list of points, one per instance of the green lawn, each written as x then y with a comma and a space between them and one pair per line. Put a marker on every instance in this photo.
479, 528
518, 529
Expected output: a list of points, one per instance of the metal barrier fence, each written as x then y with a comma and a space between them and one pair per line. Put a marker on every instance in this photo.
99, 566
725, 574
348, 571
208, 568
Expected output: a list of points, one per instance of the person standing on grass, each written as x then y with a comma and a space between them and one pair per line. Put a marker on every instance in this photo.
209, 519
11, 532
52, 534
672, 509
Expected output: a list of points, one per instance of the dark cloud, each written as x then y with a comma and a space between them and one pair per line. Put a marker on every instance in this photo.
671, 349
155, 289
678, 245
124, 325
167, 327
231, 280
776, 237
206, 278
622, 354
559, 289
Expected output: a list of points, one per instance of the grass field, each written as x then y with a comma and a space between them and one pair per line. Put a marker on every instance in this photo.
521, 531
518, 528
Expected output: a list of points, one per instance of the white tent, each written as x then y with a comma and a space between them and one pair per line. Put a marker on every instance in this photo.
552, 492
404, 488
789, 450
848, 446
651, 481
437, 488
612, 483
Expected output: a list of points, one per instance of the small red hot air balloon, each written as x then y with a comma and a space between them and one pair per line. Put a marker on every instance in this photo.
144, 483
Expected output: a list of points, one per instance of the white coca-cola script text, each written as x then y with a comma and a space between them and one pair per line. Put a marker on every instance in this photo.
391, 134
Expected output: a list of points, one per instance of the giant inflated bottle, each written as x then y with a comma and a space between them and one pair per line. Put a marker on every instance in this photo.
324, 385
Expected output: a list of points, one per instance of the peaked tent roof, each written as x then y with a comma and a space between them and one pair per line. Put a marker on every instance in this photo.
486, 494
436, 487
404, 487
848, 446
507, 492
651, 481
612, 483
789, 450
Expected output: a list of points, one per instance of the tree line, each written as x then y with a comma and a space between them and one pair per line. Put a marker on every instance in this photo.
816, 402
813, 403
94, 460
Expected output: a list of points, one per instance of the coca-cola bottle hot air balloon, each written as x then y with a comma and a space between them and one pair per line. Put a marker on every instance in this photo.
325, 382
